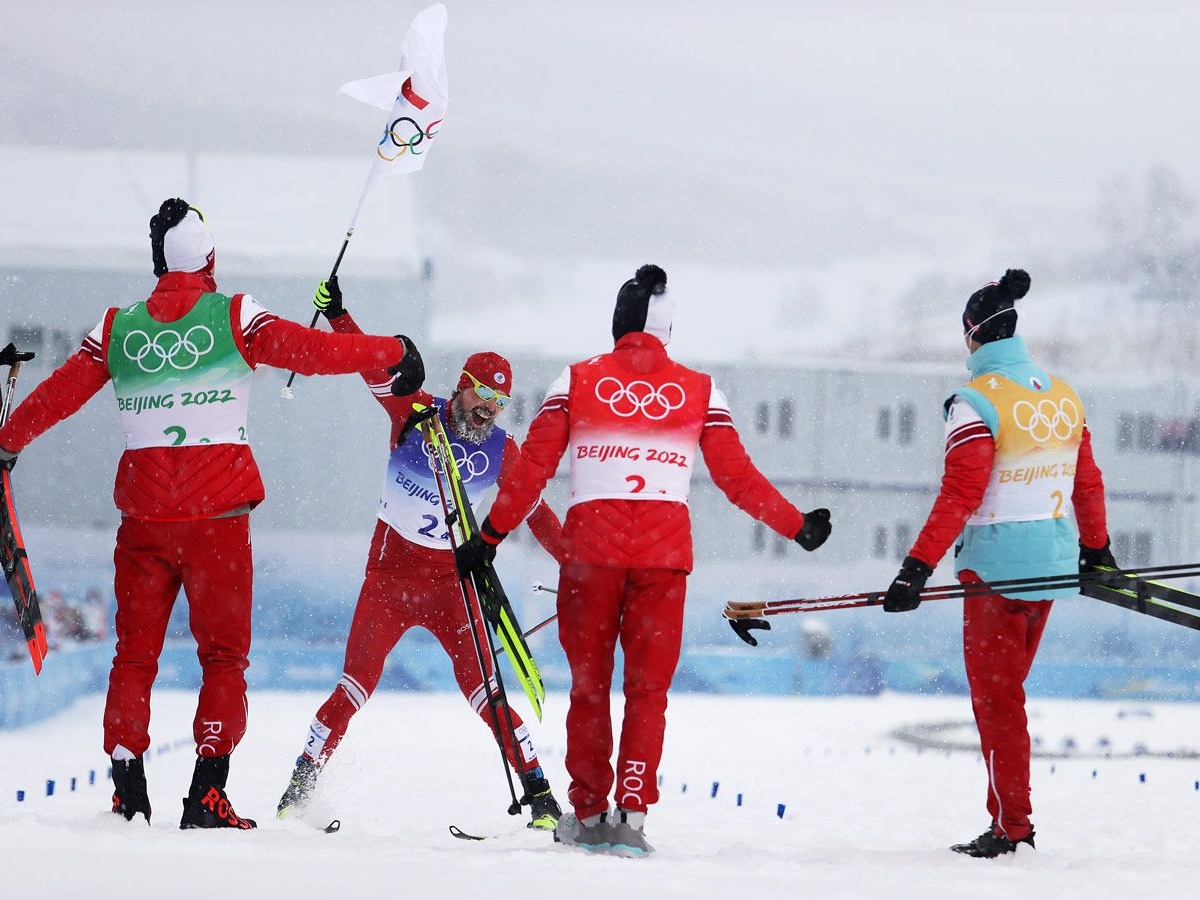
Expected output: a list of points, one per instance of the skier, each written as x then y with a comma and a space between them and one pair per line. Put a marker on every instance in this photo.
411, 578
632, 421
181, 364
1018, 459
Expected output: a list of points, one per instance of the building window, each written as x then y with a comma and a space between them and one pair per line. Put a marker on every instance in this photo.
762, 418
60, 347
26, 337
903, 540
787, 416
906, 423
1126, 429
1147, 431
518, 409
1143, 543
758, 537
880, 542
883, 423
781, 545
1120, 545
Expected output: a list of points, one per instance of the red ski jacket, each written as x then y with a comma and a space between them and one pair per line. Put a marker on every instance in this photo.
636, 533
171, 484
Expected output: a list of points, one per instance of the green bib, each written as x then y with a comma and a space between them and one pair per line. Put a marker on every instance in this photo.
179, 383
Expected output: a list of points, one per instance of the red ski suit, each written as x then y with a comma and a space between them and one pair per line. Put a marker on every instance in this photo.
408, 585
185, 519
632, 420
1001, 634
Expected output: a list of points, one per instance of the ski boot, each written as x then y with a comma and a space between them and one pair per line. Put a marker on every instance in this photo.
129, 789
990, 845
207, 805
628, 835
544, 810
299, 789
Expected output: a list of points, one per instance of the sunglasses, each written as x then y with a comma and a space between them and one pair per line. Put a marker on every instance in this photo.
486, 393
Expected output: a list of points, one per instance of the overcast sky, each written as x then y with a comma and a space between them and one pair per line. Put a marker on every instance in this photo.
874, 155
580, 128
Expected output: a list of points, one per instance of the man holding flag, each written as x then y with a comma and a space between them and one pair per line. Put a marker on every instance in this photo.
411, 578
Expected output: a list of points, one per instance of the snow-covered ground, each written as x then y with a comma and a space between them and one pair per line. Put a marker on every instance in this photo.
865, 813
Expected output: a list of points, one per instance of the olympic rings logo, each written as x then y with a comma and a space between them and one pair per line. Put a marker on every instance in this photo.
168, 347
470, 465
1047, 419
653, 402
406, 136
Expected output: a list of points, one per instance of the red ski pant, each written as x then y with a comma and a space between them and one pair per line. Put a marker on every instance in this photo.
1000, 640
211, 560
403, 590
643, 608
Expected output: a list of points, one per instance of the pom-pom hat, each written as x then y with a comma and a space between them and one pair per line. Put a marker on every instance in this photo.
179, 238
989, 314
644, 305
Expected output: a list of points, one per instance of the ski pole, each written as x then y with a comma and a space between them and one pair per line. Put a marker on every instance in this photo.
10, 384
537, 586
744, 617
286, 393
735, 609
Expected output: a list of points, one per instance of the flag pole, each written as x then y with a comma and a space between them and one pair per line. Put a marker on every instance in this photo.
421, 54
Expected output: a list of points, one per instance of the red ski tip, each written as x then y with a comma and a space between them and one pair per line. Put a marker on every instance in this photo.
38, 647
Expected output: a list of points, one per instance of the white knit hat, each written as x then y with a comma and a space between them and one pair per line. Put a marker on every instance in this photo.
188, 247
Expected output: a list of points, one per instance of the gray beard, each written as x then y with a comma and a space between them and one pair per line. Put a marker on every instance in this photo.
465, 430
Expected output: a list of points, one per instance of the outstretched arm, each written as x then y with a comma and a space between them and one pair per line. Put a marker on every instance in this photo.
970, 451
277, 342
537, 462
543, 522
62, 394
736, 475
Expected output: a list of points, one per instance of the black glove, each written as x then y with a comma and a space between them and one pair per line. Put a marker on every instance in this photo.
414, 419
9, 356
8, 459
815, 531
409, 372
470, 557
1091, 557
905, 591
328, 298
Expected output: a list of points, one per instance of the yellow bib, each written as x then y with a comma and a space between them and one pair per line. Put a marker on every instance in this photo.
1038, 434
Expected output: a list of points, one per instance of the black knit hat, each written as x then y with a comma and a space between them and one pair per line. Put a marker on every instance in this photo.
642, 305
989, 314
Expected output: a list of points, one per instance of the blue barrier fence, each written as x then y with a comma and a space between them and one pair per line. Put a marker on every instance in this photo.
421, 666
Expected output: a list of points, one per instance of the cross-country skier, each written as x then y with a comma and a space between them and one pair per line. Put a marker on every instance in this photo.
181, 363
1018, 461
411, 578
632, 422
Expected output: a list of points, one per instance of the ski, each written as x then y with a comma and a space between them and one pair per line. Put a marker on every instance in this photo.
457, 832
13, 557
1151, 598
492, 599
